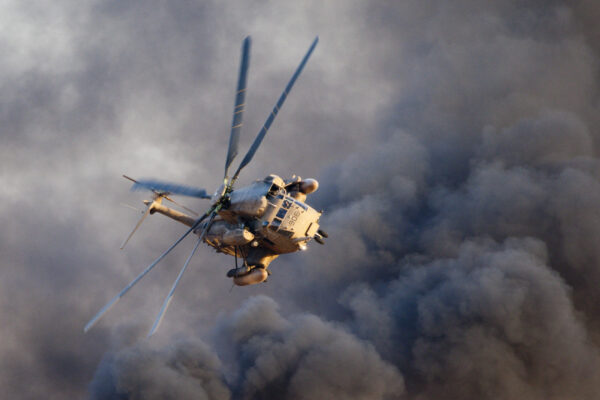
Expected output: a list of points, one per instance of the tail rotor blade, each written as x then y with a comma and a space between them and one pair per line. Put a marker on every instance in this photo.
132, 207
129, 178
169, 297
156, 186
114, 300
181, 205
265, 128
238, 110
137, 226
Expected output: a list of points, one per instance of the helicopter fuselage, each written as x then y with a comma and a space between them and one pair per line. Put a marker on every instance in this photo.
259, 222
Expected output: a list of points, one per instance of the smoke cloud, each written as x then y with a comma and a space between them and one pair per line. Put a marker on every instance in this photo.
186, 371
456, 148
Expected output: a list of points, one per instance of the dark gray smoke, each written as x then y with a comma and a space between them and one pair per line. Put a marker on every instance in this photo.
456, 147
267, 356
186, 371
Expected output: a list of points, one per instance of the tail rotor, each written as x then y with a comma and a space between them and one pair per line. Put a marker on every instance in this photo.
149, 205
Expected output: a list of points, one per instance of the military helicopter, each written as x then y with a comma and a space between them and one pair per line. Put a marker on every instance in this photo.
255, 224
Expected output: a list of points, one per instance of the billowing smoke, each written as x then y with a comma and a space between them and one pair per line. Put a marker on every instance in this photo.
186, 371
436, 292
456, 146
267, 355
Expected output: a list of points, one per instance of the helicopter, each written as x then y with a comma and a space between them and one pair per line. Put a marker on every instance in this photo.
254, 224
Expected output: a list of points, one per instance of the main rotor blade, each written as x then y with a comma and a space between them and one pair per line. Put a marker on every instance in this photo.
160, 187
265, 128
169, 297
137, 226
114, 300
238, 109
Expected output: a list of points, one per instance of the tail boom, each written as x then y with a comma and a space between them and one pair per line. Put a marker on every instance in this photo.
173, 214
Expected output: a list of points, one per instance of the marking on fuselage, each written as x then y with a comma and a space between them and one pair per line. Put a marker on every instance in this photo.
304, 206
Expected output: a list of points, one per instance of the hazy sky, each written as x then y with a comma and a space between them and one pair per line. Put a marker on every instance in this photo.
456, 147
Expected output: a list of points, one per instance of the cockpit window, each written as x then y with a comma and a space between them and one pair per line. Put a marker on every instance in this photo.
275, 224
281, 213
274, 189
